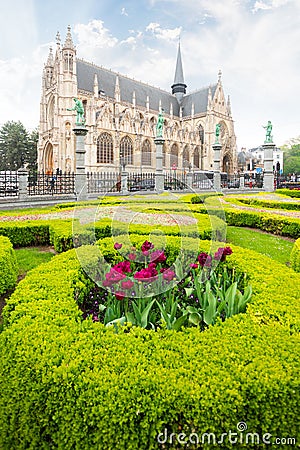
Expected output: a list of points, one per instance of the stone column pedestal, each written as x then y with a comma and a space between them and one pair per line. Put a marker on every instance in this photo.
23, 183
159, 175
242, 181
217, 167
268, 166
80, 175
124, 182
189, 180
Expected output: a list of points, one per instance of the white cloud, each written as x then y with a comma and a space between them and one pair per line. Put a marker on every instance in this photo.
169, 34
259, 55
20, 87
94, 35
124, 12
268, 4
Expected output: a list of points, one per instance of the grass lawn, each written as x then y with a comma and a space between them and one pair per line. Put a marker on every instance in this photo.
275, 247
30, 257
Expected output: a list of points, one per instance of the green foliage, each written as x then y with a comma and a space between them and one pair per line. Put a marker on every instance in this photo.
200, 198
8, 265
15, 141
275, 247
295, 256
272, 223
69, 384
289, 192
29, 258
26, 233
270, 203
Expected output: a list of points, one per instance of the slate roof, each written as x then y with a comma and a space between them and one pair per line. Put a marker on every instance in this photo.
107, 81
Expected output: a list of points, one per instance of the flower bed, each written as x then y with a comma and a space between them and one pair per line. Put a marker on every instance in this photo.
73, 384
152, 287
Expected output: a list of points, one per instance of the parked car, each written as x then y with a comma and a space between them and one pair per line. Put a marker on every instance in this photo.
174, 184
147, 184
233, 183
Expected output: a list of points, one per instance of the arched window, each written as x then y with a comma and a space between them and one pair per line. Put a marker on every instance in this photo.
105, 149
185, 156
68, 62
146, 153
126, 150
196, 158
174, 155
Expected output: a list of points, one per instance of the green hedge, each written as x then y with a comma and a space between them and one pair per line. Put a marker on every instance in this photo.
289, 192
25, 233
8, 265
295, 256
266, 203
272, 223
270, 204
69, 384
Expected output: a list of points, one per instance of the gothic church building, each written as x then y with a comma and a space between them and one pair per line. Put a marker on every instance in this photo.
121, 116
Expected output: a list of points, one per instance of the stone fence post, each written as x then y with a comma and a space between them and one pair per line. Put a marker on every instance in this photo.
23, 183
159, 175
80, 175
217, 172
268, 148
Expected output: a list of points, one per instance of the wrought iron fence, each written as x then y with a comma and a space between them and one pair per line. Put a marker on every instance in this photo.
203, 180
102, 182
141, 181
51, 184
232, 181
175, 180
9, 183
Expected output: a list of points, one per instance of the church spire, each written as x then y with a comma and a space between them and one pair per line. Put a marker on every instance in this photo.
179, 86
69, 40
50, 61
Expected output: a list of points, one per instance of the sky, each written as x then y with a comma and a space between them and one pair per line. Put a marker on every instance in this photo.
255, 44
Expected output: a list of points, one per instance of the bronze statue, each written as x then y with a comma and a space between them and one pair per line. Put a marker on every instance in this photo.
78, 107
268, 127
160, 124
218, 129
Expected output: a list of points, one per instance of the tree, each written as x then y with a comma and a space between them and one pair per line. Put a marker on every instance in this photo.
291, 156
15, 144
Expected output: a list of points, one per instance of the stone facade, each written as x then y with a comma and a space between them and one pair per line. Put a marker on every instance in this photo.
121, 116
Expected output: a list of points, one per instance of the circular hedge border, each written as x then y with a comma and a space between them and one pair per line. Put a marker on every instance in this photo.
73, 384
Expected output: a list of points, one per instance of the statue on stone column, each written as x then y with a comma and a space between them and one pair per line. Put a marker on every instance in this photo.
268, 128
160, 124
218, 129
78, 107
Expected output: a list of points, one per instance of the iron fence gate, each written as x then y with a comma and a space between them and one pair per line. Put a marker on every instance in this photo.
9, 183
50, 184
102, 182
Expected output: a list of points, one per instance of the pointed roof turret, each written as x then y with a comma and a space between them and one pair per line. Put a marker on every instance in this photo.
69, 40
50, 60
179, 86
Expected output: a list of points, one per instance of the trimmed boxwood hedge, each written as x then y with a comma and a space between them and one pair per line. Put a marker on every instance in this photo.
73, 384
8, 265
295, 256
63, 234
272, 223
267, 203
289, 192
